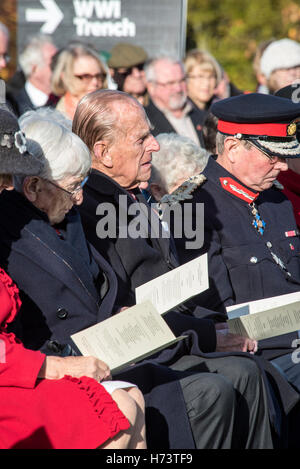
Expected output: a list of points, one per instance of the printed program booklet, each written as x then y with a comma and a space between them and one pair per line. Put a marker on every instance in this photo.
127, 337
265, 318
175, 287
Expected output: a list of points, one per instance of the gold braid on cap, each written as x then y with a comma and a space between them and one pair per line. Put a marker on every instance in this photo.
281, 148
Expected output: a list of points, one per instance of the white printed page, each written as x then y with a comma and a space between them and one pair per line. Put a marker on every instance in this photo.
175, 287
126, 337
269, 323
265, 304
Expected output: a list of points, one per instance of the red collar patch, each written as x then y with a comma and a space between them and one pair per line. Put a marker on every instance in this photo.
232, 186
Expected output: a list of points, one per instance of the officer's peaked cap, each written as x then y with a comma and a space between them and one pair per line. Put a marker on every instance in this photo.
269, 122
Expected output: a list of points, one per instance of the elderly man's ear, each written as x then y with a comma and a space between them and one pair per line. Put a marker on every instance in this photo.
101, 154
232, 147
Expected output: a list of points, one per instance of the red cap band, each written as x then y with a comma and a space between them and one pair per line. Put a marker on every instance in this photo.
270, 130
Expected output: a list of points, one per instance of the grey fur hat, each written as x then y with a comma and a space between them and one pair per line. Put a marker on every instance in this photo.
14, 157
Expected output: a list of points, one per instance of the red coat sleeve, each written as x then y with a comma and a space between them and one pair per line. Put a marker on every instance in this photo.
19, 367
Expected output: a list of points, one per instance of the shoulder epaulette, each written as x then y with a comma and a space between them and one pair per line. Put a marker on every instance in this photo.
182, 192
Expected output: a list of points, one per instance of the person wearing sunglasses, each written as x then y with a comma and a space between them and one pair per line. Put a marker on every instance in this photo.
126, 65
77, 71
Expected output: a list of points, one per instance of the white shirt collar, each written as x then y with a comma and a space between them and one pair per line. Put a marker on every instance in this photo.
37, 97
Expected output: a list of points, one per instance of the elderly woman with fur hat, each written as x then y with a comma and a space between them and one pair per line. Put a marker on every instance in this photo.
50, 402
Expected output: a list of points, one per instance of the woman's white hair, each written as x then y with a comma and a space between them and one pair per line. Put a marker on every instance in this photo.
49, 138
178, 157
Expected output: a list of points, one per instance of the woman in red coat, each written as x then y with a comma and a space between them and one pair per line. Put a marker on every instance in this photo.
40, 406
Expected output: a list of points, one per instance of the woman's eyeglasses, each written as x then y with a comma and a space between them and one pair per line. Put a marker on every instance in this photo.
87, 77
74, 193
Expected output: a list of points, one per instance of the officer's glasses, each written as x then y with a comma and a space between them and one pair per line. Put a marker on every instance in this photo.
272, 159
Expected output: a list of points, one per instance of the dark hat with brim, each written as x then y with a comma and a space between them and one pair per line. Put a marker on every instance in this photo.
14, 157
291, 92
124, 55
268, 122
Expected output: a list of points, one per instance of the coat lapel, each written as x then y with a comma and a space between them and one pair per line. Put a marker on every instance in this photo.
156, 230
105, 186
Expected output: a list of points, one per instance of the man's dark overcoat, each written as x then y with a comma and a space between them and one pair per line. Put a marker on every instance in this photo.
135, 260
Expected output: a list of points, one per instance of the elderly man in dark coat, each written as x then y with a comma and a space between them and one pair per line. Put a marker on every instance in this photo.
169, 108
115, 128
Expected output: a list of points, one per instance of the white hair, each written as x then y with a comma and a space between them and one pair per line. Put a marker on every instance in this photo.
150, 66
49, 138
32, 53
178, 157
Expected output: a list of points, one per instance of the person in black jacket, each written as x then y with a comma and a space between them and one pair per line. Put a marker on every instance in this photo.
169, 108
250, 232
66, 286
35, 61
115, 128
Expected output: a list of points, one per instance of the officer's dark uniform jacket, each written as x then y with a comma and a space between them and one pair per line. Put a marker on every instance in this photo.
243, 264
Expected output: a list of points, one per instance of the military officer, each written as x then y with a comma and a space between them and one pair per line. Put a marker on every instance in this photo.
250, 233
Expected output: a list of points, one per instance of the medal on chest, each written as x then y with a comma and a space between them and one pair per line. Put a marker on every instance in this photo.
258, 223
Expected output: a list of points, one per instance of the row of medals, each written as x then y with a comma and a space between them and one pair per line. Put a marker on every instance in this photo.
259, 224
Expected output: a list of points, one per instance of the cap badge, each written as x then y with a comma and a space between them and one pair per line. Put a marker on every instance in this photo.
291, 129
